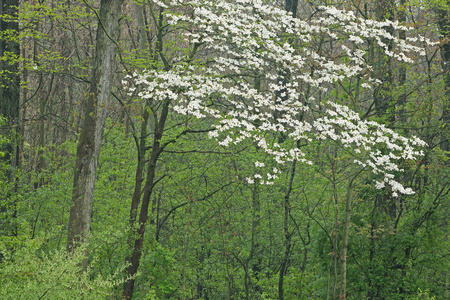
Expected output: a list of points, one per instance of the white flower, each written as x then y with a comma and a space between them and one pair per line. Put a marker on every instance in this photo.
259, 164
249, 37
379, 185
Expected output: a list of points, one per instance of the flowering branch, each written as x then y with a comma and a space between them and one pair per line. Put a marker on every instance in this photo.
235, 42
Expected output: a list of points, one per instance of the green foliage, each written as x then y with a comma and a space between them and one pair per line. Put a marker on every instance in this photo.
34, 271
158, 277
441, 4
212, 235
33, 16
114, 182
422, 295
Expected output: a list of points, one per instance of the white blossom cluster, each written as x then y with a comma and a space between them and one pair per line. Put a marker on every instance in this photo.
345, 126
238, 41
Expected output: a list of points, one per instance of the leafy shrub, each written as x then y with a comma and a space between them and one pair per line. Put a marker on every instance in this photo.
32, 272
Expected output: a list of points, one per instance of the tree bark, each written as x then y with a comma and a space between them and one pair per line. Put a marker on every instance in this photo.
444, 30
95, 108
10, 106
9, 79
287, 234
401, 103
344, 247
383, 67
135, 258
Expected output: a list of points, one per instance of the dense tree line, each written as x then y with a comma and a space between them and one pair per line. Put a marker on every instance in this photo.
224, 149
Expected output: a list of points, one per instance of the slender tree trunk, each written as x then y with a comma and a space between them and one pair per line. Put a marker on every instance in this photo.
344, 247
95, 108
402, 70
157, 124
9, 78
287, 234
444, 30
284, 77
43, 103
383, 67
10, 105
257, 256
143, 42
135, 258
139, 170
23, 106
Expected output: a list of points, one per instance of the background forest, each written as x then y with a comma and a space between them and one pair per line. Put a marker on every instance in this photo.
173, 214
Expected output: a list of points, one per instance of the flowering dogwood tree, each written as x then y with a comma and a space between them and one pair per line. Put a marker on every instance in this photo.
238, 43
251, 70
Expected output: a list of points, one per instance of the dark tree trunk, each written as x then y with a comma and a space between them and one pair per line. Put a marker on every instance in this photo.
95, 108
290, 6
383, 66
9, 106
401, 103
287, 234
345, 238
135, 258
9, 78
444, 30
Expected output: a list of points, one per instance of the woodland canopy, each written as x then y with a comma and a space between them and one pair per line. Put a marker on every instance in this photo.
247, 149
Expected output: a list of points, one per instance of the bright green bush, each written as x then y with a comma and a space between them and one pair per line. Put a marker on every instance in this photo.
33, 272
